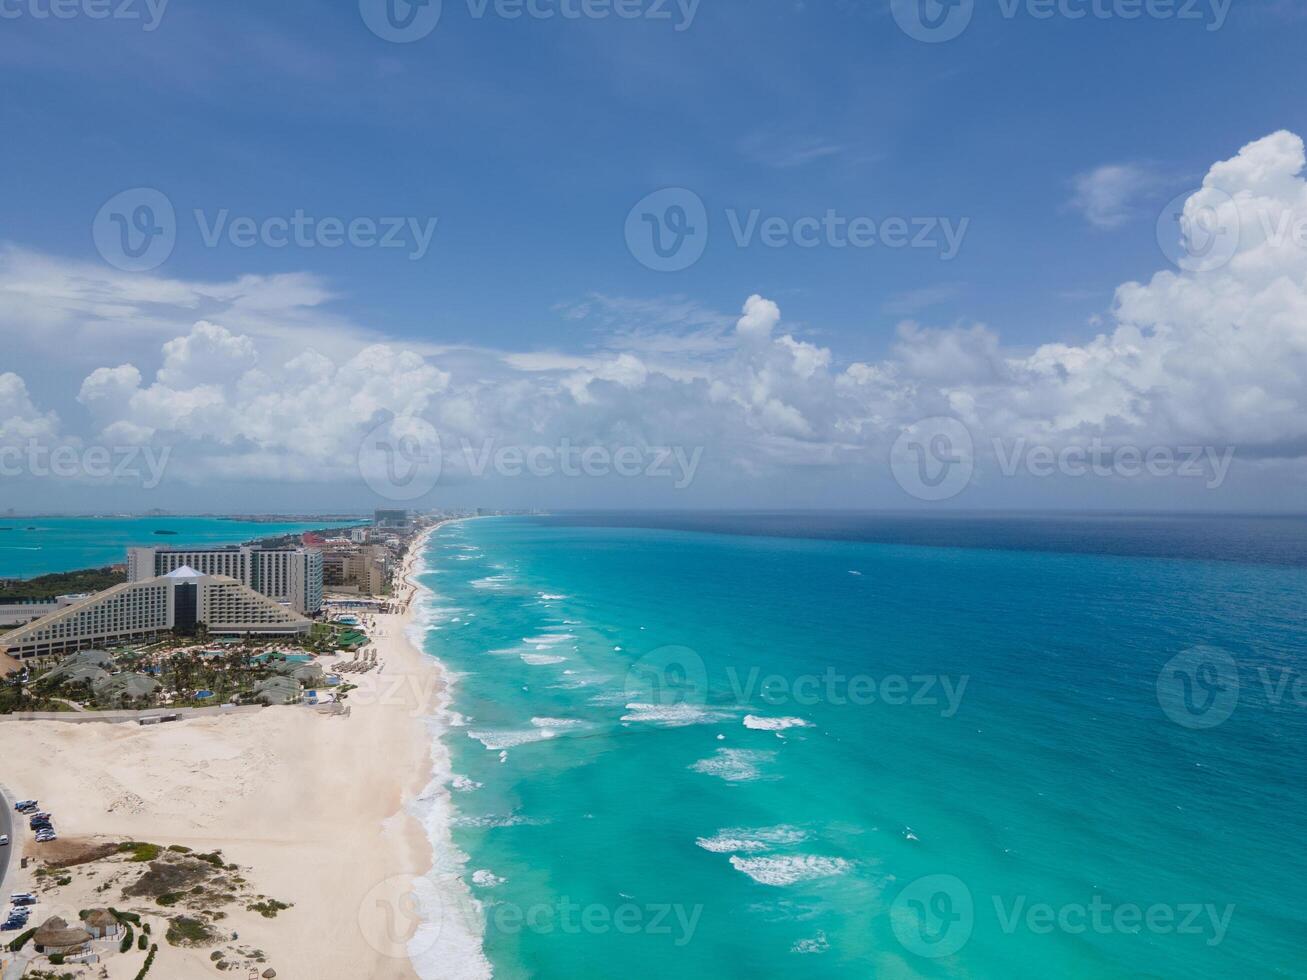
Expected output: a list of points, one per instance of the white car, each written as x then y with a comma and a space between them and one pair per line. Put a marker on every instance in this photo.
4, 839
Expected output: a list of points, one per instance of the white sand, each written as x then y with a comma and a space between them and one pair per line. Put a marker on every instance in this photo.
314, 805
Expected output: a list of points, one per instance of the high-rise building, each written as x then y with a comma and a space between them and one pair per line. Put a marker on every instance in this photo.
289, 575
180, 600
390, 518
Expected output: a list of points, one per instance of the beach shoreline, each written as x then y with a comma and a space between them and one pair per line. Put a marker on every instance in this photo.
322, 810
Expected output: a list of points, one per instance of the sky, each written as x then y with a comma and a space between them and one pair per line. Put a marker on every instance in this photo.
1032, 254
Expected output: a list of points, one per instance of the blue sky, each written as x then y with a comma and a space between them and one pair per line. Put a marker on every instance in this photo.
530, 140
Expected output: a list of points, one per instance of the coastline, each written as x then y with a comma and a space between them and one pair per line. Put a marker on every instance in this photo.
323, 811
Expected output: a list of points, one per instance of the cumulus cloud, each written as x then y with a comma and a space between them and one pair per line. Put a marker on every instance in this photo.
1208, 357
20, 420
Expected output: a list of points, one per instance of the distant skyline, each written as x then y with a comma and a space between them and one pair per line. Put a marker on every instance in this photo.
776, 255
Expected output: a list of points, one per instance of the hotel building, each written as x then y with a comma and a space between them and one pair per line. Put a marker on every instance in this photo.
180, 600
289, 575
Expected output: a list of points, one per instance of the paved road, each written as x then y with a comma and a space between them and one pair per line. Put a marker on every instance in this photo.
7, 827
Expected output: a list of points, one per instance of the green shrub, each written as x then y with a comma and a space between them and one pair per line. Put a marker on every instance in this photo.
56, 958
126, 918
184, 930
140, 851
169, 898
126, 943
21, 941
142, 941
268, 908
149, 961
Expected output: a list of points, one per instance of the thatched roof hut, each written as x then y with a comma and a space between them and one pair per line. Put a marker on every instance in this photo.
101, 924
57, 936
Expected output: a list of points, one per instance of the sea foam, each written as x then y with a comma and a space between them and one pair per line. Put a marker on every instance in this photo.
751, 840
790, 869
774, 724
735, 765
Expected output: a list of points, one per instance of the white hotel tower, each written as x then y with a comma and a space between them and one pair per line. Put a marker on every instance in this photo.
292, 576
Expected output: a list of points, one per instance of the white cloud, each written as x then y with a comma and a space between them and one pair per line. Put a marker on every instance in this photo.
1212, 358
1108, 195
20, 420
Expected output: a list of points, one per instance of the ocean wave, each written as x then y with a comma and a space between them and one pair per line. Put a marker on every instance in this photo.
509, 739
491, 820
494, 582
560, 724
547, 640
762, 724
817, 944
542, 659
486, 879
452, 926
672, 715
750, 841
735, 765
551, 596
791, 869
464, 784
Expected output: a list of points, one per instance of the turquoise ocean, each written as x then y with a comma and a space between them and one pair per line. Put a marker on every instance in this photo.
31, 546
764, 747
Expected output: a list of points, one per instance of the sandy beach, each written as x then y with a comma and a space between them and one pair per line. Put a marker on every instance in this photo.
315, 809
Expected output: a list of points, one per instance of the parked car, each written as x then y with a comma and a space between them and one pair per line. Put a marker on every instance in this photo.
45, 836
24, 898
23, 805
41, 825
